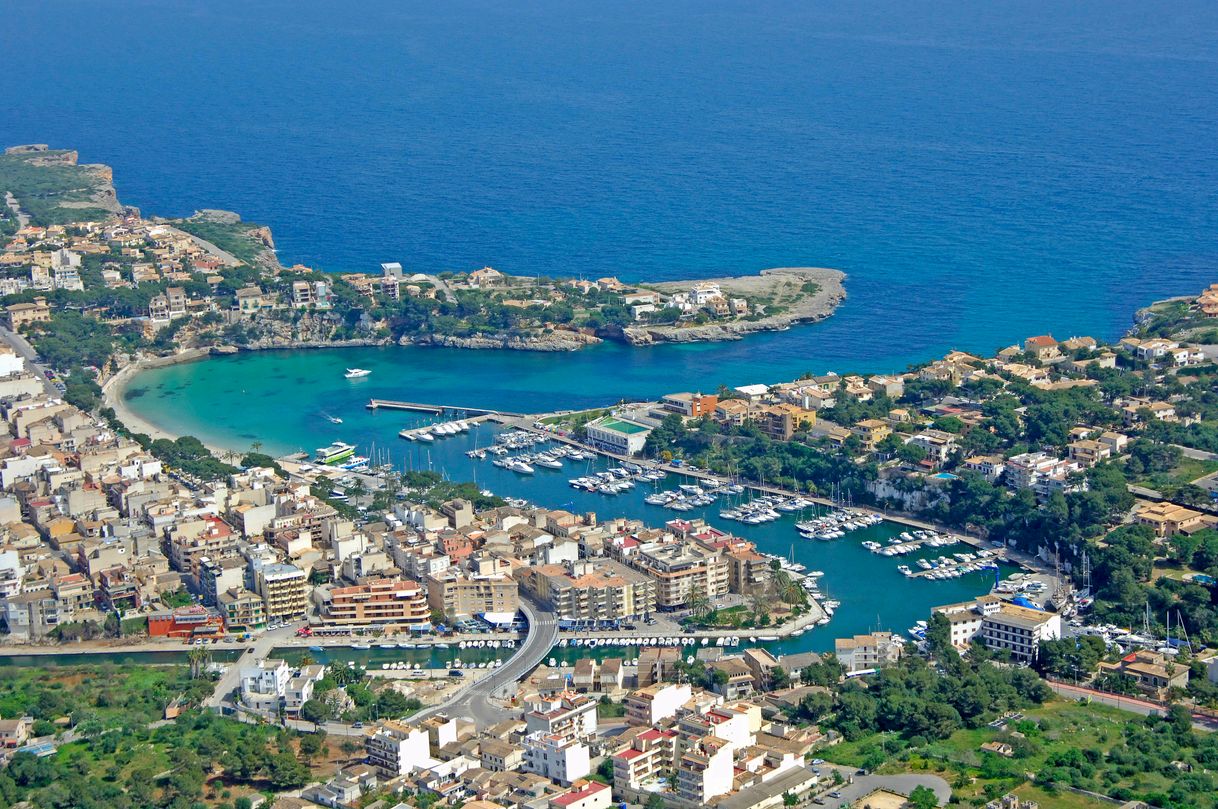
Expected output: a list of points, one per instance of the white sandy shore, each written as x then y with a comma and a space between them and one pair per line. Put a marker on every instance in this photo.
112, 394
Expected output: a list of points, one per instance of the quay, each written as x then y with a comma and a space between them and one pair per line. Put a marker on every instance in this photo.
437, 410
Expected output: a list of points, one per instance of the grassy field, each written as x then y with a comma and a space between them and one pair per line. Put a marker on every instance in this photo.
232, 238
43, 190
1045, 734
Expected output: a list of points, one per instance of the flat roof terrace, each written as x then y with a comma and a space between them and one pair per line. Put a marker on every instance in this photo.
617, 425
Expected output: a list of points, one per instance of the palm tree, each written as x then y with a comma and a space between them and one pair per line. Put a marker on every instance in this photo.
199, 657
255, 446
786, 588
698, 603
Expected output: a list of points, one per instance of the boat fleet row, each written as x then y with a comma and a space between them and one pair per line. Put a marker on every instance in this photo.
689, 496
766, 508
444, 430
952, 568
591, 643
908, 542
836, 524
618, 479
527, 463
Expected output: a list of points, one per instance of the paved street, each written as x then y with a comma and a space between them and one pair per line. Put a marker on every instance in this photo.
26, 351
1131, 704
474, 701
904, 784
259, 651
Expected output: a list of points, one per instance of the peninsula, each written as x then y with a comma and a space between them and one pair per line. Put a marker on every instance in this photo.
213, 281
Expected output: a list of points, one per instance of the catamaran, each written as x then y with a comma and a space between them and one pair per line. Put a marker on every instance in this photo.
338, 451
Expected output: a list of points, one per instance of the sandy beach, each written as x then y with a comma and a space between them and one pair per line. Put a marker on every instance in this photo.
112, 395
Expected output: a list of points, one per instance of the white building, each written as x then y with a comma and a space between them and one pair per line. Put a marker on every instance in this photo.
705, 770
1020, 630
10, 362
264, 683
649, 705
397, 749
566, 714
1001, 625
622, 436
556, 757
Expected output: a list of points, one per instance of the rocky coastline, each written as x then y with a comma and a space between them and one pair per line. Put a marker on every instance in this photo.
554, 341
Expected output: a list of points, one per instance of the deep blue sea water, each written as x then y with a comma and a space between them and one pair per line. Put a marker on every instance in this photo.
982, 170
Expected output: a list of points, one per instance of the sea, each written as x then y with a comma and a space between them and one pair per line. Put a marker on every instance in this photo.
981, 171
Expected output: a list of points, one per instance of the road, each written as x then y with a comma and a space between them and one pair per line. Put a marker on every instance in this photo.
23, 219
1196, 454
474, 701
231, 678
1132, 704
904, 784
25, 350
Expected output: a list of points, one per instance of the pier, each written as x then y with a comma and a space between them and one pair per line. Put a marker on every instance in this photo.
414, 432
436, 410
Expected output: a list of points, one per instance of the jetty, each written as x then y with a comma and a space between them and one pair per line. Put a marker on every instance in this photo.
437, 410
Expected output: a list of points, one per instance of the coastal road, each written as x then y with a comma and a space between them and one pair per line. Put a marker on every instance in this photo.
27, 352
1132, 704
474, 701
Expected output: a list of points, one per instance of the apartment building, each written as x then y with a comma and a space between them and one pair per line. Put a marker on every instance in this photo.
679, 569
600, 589
867, 652
705, 770
283, 590
781, 421
396, 749
691, 405
566, 714
264, 683
557, 757
656, 702
243, 610
458, 594
382, 602
219, 575
189, 542
965, 618
1020, 630
497, 755
748, 571
651, 753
